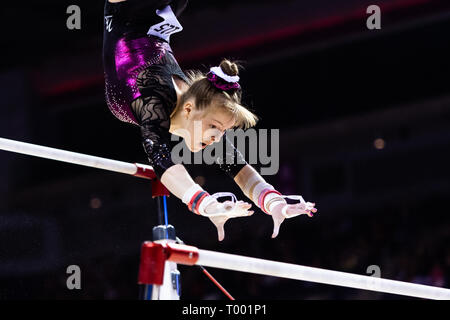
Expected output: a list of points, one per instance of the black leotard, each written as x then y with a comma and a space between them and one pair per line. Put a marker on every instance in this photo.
138, 78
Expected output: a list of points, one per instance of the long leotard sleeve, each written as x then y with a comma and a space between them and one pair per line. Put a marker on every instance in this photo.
153, 108
232, 160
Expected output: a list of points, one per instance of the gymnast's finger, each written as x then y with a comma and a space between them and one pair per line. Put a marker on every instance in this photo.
276, 227
220, 231
243, 204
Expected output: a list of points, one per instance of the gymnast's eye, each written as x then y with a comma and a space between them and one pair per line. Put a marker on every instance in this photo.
215, 127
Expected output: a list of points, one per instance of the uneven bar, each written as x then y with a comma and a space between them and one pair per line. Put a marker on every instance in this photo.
297, 272
135, 169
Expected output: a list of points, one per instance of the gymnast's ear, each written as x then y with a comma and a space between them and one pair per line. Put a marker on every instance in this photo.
188, 108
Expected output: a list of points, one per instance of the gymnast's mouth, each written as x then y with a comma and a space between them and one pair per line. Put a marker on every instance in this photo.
203, 145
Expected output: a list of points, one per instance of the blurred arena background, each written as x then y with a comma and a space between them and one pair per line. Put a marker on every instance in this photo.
364, 119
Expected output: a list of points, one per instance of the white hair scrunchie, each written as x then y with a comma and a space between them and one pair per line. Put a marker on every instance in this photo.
219, 72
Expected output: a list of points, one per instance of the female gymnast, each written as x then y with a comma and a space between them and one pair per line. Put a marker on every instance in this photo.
145, 86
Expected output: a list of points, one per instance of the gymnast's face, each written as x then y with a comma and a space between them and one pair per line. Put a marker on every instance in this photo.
204, 127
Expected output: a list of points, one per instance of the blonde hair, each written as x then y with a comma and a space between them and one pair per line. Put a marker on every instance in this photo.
205, 94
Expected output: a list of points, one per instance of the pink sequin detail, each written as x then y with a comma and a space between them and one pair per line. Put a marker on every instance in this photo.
132, 56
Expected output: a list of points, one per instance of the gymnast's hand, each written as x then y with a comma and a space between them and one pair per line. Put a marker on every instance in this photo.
283, 210
220, 212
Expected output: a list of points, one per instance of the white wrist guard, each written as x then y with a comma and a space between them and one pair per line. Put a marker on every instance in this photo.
272, 200
189, 193
222, 209
258, 189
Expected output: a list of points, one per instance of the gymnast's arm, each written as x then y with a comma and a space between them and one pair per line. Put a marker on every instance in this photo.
244, 174
268, 199
154, 123
151, 111
178, 181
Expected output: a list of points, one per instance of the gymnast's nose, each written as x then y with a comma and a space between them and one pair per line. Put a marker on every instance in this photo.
217, 137
213, 139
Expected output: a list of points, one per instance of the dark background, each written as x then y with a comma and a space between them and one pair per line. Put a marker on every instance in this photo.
311, 69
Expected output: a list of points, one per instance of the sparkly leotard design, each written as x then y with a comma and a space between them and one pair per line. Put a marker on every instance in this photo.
122, 90
138, 78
